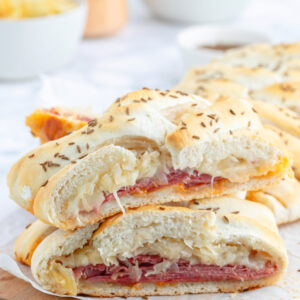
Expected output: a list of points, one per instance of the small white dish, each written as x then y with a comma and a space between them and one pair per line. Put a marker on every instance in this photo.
190, 11
30, 47
192, 39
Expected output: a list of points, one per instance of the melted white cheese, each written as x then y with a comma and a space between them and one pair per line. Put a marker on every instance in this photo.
119, 202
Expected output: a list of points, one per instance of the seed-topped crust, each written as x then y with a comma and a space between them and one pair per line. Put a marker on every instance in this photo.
191, 133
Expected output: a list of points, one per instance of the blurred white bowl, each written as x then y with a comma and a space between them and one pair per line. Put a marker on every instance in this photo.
30, 47
196, 10
191, 39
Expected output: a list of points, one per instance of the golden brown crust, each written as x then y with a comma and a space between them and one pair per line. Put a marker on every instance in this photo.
234, 76
224, 117
283, 199
29, 239
286, 94
182, 124
174, 289
280, 117
292, 145
268, 56
211, 89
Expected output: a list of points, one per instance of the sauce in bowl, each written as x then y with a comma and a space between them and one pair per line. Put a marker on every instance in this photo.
220, 47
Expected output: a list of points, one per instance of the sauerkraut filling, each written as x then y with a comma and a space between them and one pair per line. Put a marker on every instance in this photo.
154, 268
151, 172
186, 179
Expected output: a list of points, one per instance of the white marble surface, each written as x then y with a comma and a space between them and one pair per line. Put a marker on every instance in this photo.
143, 54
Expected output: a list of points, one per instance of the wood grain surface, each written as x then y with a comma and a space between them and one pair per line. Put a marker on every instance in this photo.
13, 288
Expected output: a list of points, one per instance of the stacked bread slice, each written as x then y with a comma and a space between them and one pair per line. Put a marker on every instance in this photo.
268, 75
147, 199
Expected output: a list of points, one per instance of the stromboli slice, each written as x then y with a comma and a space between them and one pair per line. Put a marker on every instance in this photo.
56, 122
220, 150
149, 246
143, 121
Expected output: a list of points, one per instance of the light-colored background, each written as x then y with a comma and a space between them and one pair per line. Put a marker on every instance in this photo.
145, 53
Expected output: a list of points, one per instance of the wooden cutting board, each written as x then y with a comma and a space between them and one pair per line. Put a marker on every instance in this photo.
13, 288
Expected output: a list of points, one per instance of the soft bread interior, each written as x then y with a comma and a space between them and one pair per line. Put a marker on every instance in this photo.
78, 192
238, 158
238, 155
141, 116
197, 235
143, 121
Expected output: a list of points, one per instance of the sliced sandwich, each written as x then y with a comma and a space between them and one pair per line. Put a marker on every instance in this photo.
167, 148
162, 250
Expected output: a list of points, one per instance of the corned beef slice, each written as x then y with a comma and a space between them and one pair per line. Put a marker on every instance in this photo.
163, 180
135, 270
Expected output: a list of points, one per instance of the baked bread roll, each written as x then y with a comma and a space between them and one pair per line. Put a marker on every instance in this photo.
271, 57
27, 241
290, 69
283, 199
211, 89
238, 76
278, 116
292, 144
216, 80
171, 148
56, 122
149, 250
279, 105
286, 94
286, 124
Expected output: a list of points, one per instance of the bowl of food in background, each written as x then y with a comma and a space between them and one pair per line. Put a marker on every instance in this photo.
38, 36
196, 10
200, 44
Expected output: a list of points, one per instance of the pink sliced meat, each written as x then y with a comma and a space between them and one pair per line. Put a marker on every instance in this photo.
135, 270
165, 179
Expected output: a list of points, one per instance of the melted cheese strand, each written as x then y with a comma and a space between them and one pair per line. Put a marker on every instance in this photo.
212, 187
119, 202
